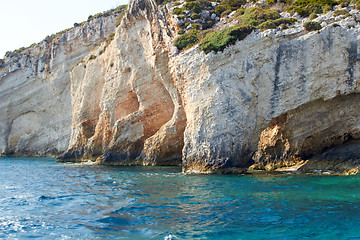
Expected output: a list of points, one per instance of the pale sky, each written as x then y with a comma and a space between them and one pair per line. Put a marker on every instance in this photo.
24, 22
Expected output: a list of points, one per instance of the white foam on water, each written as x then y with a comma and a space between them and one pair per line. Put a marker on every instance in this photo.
88, 163
170, 237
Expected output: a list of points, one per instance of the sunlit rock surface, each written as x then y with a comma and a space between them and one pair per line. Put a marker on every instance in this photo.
35, 96
126, 108
276, 100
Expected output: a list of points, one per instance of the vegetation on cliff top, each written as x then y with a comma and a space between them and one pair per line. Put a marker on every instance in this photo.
187, 39
249, 19
305, 7
218, 41
117, 10
312, 26
245, 16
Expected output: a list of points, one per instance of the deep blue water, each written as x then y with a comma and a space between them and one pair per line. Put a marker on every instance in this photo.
42, 199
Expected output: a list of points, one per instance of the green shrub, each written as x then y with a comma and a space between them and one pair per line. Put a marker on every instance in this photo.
312, 26
186, 24
195, 16
327, 9
228, 6
280, 21
19, 50
283, 26
207, 24
340, 12
205, 3
194, 7
345, 3
92, 57
351, 26
225, 13
181, 17
267, 25
313, 16
197, 26
120, 8
218, 41
203, 34
219, 9
305, 7
358, 5
336, 25
239, 12
187, 40
111, 37
181, 31
111, 64
162, 2
119, 19
255, 16
233, 3
177, 11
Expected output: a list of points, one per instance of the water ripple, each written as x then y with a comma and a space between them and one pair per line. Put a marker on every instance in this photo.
46, 200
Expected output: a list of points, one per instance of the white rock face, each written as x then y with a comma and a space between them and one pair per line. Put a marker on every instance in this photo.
231, 97
131, 103
35, 107
271, 100
126, 109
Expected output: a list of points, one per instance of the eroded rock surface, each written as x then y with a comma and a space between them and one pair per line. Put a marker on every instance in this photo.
35, 107
271, 98
277, 99
126, 108
308, 130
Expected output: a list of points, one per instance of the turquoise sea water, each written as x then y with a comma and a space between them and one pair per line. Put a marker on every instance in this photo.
42, 199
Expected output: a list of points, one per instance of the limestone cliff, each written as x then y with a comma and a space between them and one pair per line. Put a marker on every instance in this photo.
126, 108
279, 98
272, 100
35, 107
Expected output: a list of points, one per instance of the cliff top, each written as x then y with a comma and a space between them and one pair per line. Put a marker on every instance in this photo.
115, 12
214, 25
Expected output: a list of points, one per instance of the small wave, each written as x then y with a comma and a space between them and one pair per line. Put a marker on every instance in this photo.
325, 172
192, 172
43, 197
88, 163
170, 237
68, 197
